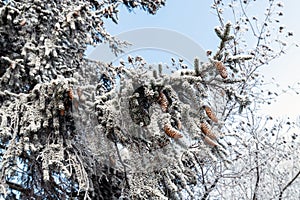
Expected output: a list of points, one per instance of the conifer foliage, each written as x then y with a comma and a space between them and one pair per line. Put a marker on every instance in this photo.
72, 128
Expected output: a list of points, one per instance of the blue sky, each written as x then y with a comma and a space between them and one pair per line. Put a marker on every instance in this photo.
195, 19
191, 18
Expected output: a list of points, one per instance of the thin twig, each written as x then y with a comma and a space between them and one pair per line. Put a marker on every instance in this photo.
210, 189
257, 174
287, 185
124, 166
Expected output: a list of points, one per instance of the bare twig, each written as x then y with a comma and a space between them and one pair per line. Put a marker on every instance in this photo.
288, 184
210, 189
123, 164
